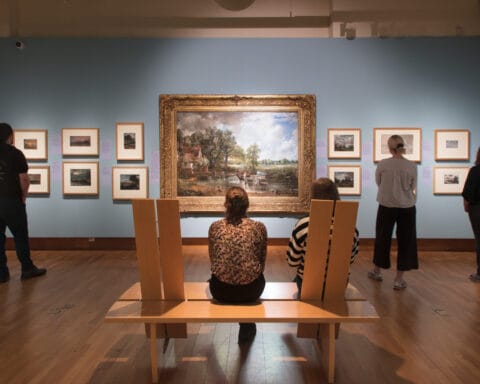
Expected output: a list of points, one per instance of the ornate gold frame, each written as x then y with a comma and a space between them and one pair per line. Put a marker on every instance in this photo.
304, 105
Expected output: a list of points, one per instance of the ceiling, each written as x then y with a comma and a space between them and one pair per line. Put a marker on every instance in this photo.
262, 18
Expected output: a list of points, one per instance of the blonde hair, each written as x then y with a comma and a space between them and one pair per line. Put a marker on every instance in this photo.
396, 144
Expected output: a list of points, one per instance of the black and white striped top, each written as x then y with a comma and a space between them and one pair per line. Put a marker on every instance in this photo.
298, 245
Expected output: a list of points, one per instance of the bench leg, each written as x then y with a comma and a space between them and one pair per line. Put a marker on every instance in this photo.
327, 344
153, 352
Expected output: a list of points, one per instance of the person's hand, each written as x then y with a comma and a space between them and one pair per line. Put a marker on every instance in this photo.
465, 205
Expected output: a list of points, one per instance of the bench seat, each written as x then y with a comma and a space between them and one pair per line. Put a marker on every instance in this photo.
272, 291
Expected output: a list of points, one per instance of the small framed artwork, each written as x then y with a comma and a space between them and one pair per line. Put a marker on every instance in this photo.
129, 183
452, 145
80, 141
129, 141
39, 180
32, 142
348, 178
449, 180
80, 178
411, 136
344, 143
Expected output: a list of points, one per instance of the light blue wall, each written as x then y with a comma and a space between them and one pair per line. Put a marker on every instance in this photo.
365, 83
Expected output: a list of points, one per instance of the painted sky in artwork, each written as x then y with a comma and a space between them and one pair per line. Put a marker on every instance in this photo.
276, 133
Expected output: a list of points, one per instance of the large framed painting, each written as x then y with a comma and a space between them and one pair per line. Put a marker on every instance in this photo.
80, 142
129, 183
344, 143
129, 141
348, 178
32, 142
80, 178
449, 180
452, 145
262, 143
411, 136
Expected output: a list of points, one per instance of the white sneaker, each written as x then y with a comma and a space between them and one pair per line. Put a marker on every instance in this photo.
374, 275
400, 284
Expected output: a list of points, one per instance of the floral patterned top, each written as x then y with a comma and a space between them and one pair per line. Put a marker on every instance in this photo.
237, 252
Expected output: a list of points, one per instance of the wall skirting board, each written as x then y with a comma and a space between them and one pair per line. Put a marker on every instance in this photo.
128, 243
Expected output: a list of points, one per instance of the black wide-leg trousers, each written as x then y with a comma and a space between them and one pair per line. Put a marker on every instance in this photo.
405, 219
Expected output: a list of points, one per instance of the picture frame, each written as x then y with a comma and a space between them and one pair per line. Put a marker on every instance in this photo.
129, 183
411, 136
449, 180
130, 141
344, 143
348, 178
80, 141
264, 143
80, 178
452, 145
32, 142
39, 176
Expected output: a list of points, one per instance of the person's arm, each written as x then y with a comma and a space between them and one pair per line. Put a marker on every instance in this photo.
24, 185
468, 192
355, 245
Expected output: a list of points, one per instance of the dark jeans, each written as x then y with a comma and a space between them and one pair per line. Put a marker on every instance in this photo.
407, 257
14, 216
229, 293
474, 216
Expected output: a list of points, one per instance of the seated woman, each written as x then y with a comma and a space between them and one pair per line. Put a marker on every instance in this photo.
322, 189
237, 247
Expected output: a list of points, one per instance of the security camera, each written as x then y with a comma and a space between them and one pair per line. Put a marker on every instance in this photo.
19, 45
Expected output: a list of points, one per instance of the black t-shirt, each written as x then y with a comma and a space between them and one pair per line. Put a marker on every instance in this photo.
12, 163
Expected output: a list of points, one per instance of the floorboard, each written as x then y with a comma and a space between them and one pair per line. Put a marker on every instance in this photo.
52, 329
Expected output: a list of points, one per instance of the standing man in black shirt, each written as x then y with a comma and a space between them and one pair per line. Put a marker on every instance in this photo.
14, 185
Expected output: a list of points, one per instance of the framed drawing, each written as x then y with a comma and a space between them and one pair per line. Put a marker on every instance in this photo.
449, 180
451, 145
32, 142
348, 178
39, 180
80, 141
129, 141
263, 143
411, 136
80, 178
344, 143
129, 183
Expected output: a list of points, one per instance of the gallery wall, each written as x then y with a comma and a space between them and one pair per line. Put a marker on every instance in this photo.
365, 83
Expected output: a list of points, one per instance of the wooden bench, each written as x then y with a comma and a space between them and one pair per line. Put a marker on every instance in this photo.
165, 303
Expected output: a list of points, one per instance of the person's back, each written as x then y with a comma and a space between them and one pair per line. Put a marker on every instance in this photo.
396, 180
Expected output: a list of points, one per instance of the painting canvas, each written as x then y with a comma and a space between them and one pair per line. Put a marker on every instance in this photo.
32, 142
129, 140
344, 143
449, 180
262, 144
39, 177
411, 136
80, 142
452, 145
348, 178
80, 178
129, 183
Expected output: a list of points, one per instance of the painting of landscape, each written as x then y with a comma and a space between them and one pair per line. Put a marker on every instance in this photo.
256, 150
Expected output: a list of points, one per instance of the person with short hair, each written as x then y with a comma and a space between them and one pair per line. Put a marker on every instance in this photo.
396, 178
321, 189
14, 184
471, 203
237, 248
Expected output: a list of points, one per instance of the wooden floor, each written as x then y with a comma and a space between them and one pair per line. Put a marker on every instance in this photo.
52, 329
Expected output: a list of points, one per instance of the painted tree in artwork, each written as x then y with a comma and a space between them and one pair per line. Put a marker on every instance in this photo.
226, 145
252, 157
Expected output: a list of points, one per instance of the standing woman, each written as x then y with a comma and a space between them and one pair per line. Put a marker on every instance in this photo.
396, 178
471, 203
237, 247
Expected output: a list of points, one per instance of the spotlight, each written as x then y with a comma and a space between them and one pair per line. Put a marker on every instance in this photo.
19, 44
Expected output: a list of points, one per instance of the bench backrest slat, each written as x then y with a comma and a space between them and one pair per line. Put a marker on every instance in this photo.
146, 242
170, 248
